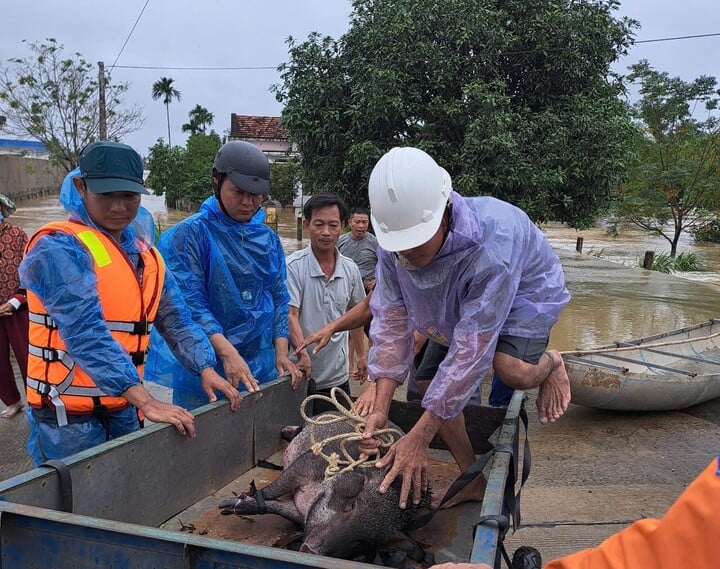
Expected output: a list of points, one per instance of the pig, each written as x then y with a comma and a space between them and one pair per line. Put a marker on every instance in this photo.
342, 516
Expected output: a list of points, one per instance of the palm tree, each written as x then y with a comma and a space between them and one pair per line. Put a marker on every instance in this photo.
200, 120
164, 88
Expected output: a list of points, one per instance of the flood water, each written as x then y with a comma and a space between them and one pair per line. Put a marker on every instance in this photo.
610, 300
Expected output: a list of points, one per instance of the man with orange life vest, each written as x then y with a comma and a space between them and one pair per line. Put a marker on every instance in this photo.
96, 286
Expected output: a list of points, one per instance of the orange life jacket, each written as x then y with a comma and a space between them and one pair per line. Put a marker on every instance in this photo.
128, 306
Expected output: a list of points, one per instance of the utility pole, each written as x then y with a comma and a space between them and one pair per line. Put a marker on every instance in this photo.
101, 101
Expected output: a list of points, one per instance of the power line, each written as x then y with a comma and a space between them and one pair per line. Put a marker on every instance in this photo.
680, 38
171, 68
127, 39
264, 67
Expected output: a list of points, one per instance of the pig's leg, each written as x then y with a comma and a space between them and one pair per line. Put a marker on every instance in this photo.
306, 472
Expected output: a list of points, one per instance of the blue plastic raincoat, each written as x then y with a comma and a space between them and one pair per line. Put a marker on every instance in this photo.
60, 272
233, 277
495, 274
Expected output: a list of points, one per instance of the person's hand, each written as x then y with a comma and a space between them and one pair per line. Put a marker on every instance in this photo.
369, 285
365, 404
369, 445
418, 342
409, 457
320, 338
237, 371
159, 412
211, 382
6, 310
361, 370
304, 365
285, 366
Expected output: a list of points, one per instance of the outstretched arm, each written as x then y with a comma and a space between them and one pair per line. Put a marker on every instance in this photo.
357, 317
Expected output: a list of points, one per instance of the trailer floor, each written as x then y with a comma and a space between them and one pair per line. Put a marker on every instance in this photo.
440, 536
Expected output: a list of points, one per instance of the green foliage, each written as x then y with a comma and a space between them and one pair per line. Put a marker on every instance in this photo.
708, 233
54, 98
690, 262
200, 120
684, 262
674, 182
163, 89
183, 174
284, 178
166, 172
197, 166
515, 99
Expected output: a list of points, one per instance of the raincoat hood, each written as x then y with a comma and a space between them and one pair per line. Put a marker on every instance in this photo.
212, 206
139, 236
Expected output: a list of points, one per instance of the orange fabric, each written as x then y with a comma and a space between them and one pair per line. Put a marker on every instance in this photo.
687, 536
122, 298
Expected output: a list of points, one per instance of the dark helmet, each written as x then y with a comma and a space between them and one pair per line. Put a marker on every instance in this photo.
246, 166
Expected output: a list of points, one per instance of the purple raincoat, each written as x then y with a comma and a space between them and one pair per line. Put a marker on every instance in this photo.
496, 274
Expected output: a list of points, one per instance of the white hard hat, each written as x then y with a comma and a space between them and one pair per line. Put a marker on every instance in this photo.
408, 193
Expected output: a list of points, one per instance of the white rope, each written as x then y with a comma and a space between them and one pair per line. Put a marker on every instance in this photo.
346, 463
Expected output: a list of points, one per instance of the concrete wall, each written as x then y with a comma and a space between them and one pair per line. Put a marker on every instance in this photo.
22, 177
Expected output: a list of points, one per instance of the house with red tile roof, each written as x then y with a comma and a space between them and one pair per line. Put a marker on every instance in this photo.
267, 133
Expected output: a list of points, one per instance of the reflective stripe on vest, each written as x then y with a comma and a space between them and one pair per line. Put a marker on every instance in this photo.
53, 376
113, 326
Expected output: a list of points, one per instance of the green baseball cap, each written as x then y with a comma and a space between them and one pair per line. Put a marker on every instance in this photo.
111, 167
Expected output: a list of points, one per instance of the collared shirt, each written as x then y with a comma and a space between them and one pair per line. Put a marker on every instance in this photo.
362, 251
495, 274
320, 301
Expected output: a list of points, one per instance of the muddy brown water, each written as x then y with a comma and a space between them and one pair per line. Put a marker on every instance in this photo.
608, 304
593, 471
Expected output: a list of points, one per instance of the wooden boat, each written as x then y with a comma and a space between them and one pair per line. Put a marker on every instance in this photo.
667, 371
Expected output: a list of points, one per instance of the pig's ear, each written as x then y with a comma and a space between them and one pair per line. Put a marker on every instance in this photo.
349, 484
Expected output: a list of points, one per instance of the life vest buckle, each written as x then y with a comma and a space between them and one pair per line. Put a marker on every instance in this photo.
141, 328
50, 355
138, 358
43, 388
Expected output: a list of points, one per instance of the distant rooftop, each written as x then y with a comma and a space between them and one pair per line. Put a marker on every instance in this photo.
246, 127
27, 145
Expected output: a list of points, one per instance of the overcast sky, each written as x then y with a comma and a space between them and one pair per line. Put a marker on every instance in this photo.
240, 33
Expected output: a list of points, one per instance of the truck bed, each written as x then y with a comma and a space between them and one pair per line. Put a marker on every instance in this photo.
150, 499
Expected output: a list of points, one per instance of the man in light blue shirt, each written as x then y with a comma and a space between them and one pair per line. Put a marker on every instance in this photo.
324, 284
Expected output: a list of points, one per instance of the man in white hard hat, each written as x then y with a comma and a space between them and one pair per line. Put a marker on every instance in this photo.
473, 274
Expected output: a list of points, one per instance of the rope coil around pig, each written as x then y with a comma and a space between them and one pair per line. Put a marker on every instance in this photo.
337, 464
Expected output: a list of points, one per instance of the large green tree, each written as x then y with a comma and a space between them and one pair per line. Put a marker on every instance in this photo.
183, 175
674, 185
284, 180
53, 97
200, 120
515, 98
163, 89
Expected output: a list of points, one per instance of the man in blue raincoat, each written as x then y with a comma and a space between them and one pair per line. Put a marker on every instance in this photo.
231, 269
96, 286
473, 274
